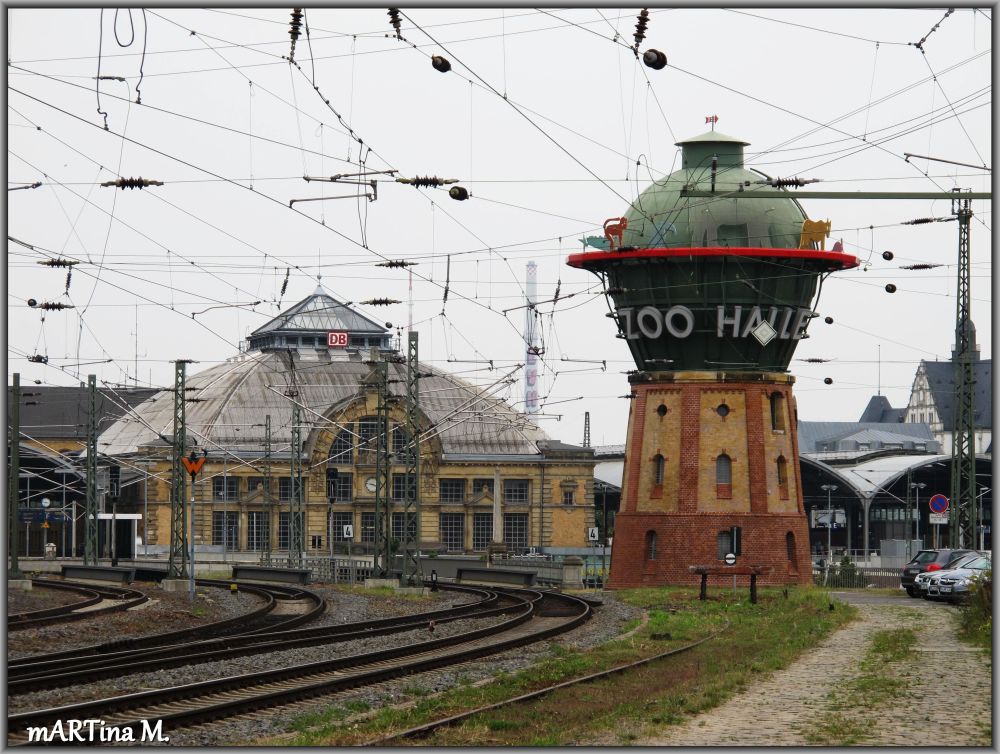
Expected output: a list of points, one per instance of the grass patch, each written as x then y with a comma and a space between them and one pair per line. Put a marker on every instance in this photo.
759, 638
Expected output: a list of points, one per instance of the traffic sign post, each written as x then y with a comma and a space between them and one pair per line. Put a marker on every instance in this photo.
730, 559
939, 513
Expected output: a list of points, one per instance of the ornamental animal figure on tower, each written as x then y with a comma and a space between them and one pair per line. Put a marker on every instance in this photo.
615, 228
813, 234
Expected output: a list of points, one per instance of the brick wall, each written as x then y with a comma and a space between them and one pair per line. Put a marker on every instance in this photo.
684, 540
687, 518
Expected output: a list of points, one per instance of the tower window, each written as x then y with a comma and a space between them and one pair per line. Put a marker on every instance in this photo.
659, 465
723, 544
724, 476
650, 545
777, 411
661, 410
722, 410
782, 478
790, 546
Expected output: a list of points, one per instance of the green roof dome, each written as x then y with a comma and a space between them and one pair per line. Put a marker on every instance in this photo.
661, 217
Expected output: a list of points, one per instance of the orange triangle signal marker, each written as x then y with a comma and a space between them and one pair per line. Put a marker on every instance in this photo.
193, 467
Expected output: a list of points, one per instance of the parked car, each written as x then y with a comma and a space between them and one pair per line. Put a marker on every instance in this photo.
923, 561
954, 584
921, 581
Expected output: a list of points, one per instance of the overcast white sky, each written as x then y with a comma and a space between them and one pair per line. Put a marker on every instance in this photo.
536, 105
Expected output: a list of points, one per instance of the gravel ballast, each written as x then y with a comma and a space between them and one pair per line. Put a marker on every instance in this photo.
344, 606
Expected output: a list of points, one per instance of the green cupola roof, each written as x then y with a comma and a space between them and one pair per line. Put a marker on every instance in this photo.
662, 218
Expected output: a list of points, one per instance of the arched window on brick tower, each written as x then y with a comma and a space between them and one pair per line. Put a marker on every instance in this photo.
659, 465
724, 476
782, 477
650, 545
777, 411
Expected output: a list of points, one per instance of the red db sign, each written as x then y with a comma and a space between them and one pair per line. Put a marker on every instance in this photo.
336, 339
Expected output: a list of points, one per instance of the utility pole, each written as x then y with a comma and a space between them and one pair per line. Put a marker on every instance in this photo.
177, 563
412, 575
265, 552
296, 534
90, 513
963, 436
14, 491
382, 564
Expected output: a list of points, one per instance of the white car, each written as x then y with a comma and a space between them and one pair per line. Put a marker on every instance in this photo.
954, 584
922, 580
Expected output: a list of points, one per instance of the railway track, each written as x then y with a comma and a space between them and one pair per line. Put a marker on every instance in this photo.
533, 616
259, 619
35, 674
119, 598
422, 731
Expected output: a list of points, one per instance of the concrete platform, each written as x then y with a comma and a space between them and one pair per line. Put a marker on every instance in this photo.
23, 584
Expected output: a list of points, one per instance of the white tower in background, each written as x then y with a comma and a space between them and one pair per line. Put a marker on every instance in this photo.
530, 341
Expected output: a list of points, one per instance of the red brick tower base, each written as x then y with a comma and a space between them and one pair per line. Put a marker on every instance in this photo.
711, 458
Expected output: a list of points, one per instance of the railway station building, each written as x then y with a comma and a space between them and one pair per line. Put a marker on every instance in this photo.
474, 449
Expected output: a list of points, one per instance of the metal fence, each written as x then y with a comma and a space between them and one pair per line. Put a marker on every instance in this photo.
855, 577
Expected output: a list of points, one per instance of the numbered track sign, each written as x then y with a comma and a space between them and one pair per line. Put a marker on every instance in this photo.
348, 531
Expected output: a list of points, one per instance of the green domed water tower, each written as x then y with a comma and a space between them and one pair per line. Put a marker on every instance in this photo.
712, 293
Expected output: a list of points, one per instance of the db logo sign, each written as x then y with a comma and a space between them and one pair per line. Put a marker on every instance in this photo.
336, 339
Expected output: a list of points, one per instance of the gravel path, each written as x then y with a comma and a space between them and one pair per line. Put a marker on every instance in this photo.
777, 711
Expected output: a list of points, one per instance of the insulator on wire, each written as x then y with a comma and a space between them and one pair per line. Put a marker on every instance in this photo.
925, 220
458, 193
380, 302
284, 284
394, 20
396, 263
423, 181
39, 359
786, 182
293, 32
890, 288
640, 30
58, 262
887, 255
654, 59
69, 278
920, 266
51, 305
440, 63
131, 183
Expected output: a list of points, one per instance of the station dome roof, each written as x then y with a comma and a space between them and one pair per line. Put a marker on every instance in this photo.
227, 402
661, 218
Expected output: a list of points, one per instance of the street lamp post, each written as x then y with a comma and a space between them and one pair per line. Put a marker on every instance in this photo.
829, 489
916, 517
982, 518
